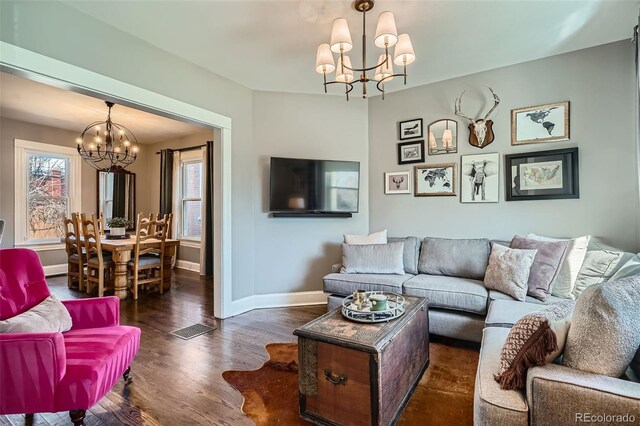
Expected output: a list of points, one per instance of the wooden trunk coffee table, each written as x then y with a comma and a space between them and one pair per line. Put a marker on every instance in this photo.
355, 373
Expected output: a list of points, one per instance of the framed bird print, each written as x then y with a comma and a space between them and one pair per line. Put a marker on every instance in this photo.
410, 129
480, 178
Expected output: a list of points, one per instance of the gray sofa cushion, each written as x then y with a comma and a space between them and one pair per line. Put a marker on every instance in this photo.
410, 254
459, 294
372, 258
345, 284
505, 313
605, 332
456, 324
492, 405
496, 295
454, 258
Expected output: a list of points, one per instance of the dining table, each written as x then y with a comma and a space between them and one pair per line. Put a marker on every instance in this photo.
121, 250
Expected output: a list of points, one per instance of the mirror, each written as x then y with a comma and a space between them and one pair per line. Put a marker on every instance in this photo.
443, 137
117, 195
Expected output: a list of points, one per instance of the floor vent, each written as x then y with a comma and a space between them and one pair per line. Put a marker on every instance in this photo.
192, 331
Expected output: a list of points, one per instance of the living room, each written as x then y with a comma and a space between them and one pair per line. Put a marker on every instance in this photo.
585, 58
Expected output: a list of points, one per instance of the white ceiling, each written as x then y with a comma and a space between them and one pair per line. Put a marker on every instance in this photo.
271, 44
33, 102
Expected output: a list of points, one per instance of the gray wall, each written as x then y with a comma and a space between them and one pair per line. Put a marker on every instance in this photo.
294, 254
599, 83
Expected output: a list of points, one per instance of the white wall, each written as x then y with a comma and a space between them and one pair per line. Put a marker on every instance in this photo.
599, 83
294, 254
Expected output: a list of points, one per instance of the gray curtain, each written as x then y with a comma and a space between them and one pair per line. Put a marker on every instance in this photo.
166, 181
208, 210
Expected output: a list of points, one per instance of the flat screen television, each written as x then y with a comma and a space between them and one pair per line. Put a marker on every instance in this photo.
314, 186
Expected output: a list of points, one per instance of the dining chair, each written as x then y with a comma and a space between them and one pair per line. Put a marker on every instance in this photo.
100, 266
75, 257
168, 220
147, 264
101, 229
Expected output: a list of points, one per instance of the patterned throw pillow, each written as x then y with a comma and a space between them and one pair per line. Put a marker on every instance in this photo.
536, 339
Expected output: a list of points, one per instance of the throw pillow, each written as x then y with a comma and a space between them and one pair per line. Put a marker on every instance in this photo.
463, 258
605, 333
545, 265
373, 238
536, 339
508, 271
565, 281
598, 266
630, 268
48, 316
411, 252
372, 259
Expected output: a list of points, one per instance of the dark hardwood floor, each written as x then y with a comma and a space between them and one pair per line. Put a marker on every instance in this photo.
178, 382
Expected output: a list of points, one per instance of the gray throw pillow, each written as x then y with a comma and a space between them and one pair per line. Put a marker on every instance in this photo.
598, 266
605, 332
545, 265
411, 252
454, 258
508, 271
372, 258
48, 316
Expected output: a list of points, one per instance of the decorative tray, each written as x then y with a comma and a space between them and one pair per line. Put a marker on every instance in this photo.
395, 308
117, 237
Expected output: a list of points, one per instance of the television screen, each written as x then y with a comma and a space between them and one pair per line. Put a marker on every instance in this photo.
314, 185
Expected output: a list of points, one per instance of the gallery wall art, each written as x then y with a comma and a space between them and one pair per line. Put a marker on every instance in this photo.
480, 178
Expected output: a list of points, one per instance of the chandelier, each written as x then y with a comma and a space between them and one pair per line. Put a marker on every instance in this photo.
386, 37
106, 145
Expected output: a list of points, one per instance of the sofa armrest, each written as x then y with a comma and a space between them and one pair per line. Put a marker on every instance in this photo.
336, 268
561, 395
94, 312
31, 366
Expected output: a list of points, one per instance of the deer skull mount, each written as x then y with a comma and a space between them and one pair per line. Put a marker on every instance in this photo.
480, 129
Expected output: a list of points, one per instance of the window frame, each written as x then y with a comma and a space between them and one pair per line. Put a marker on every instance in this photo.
184, 158
23, 149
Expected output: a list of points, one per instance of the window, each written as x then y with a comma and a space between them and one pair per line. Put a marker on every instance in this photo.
188, 184
47, 185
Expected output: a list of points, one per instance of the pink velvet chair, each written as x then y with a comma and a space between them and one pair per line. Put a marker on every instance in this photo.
51, 372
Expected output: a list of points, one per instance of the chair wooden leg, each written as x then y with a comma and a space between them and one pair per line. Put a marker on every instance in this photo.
77, 417
69, 277
135, 283
126, 376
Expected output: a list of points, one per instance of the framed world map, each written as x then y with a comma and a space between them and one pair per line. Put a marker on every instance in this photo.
539, 124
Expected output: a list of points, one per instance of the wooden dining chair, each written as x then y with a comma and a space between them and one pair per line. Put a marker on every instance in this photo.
100, 224
147, 264
100, 266
75, 256
168, 220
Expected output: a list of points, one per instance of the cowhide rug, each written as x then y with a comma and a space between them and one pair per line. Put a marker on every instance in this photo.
443, 396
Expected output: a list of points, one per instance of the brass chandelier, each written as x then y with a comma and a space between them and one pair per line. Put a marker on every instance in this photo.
386, 37
106, 145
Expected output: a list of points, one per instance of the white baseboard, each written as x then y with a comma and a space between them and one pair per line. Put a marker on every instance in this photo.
277, 300
189, 266
50, 270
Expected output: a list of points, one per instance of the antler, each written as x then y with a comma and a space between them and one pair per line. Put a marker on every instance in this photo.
496, 101
458, 106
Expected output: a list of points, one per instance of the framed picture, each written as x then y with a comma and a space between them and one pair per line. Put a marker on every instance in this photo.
443, 137
542, 175
398, 182
411, 152
480, 178
435, 179
539, 124
410, 129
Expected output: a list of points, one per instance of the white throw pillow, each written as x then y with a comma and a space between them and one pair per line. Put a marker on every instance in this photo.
629, 269
565, 280
508, 271
48, 316
374, 238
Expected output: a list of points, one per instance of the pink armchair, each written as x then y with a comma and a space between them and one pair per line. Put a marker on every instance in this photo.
51, 372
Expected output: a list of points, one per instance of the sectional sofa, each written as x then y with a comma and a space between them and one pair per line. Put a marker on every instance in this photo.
460, 306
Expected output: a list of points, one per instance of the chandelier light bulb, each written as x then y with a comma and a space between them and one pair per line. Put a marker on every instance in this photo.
126, 142
135, 149
79, 140
116, 149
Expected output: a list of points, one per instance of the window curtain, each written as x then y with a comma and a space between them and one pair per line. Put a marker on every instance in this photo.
166, 181
206, 252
